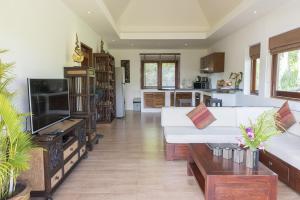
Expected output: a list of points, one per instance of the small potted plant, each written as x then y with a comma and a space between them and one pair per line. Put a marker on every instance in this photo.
15, 144
256, 134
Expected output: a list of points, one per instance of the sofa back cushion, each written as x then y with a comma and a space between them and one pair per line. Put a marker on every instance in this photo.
170, 116
226, 116
176, 116
244, 114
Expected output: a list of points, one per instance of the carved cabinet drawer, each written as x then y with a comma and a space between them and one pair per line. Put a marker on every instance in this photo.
56, 178
70, 150
279, 168
82, 151
276, 165
70, 163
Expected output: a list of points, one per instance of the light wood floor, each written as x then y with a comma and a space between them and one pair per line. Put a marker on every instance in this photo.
128, 164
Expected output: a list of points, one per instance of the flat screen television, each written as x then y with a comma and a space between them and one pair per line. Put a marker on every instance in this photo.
48, 102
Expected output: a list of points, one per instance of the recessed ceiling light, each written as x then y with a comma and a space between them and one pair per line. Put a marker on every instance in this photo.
254, 12
89, 12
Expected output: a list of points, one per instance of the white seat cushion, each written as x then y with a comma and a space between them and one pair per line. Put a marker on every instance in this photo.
208, 135
295, 129
286, 147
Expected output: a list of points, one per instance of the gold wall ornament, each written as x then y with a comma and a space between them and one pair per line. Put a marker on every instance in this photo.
77, 55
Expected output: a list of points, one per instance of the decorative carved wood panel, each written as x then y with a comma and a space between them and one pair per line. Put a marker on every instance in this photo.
55, 155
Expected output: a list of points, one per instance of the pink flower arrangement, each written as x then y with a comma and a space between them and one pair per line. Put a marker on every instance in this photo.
256, 134
250, 133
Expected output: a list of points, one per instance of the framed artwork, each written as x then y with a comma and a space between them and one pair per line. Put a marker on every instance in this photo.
126, 65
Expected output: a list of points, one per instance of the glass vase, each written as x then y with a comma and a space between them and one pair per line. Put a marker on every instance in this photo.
252, 158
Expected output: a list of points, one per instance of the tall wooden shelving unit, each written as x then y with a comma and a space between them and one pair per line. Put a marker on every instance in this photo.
82, 99
104, 65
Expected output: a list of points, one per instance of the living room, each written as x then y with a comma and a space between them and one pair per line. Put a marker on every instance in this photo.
127, 81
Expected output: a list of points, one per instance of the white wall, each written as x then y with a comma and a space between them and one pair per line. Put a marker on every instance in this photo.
40, 36
189, 67
236, 48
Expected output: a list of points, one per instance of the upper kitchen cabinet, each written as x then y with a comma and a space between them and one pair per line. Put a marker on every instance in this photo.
213, 63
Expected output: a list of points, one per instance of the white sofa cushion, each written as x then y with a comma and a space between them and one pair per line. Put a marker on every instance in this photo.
286, 147
226, 116
176, 116
210, 134
244, 114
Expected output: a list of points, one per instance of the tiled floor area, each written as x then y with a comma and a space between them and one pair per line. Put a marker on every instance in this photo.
128, 164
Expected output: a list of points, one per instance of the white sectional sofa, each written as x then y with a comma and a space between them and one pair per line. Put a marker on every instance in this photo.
283, 151
178, 128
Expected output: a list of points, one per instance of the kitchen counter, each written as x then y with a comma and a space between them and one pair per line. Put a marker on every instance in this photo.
231, 91
163, 96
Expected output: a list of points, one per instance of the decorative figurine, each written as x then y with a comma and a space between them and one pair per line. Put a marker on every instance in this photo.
77, 55
102, 47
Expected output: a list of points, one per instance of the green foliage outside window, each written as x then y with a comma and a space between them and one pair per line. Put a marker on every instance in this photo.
289, 78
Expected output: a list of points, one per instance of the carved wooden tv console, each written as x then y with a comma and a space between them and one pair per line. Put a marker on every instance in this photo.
59, 148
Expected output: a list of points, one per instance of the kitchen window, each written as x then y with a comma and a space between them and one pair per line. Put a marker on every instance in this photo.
159, 71
285, 50
150, 74
255, 67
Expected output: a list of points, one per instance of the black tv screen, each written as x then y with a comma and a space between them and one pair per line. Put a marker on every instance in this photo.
49, 102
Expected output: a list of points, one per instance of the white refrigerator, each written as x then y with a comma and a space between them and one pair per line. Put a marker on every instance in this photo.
120, 96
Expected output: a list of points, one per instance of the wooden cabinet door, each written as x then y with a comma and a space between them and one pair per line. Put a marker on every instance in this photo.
181, 95
276, 166
279, 168
210, 63
148, 100
218, 60
213, 63
154, 99
202, 63
159, 99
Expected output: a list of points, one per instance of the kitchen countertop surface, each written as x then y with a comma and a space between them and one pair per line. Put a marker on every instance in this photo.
225, 91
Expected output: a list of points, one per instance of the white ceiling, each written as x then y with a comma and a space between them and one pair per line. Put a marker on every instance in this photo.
163, 24
160, 16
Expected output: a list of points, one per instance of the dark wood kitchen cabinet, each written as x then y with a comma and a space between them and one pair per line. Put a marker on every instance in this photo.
154, 99
188, 96
213, 63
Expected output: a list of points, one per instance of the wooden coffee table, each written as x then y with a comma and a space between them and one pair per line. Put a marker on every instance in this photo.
222, 179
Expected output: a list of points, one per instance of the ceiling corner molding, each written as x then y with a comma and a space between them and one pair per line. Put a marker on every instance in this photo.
163, 36
230, 16
108, 15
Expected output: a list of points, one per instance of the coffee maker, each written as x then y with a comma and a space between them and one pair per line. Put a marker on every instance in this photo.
201, 83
